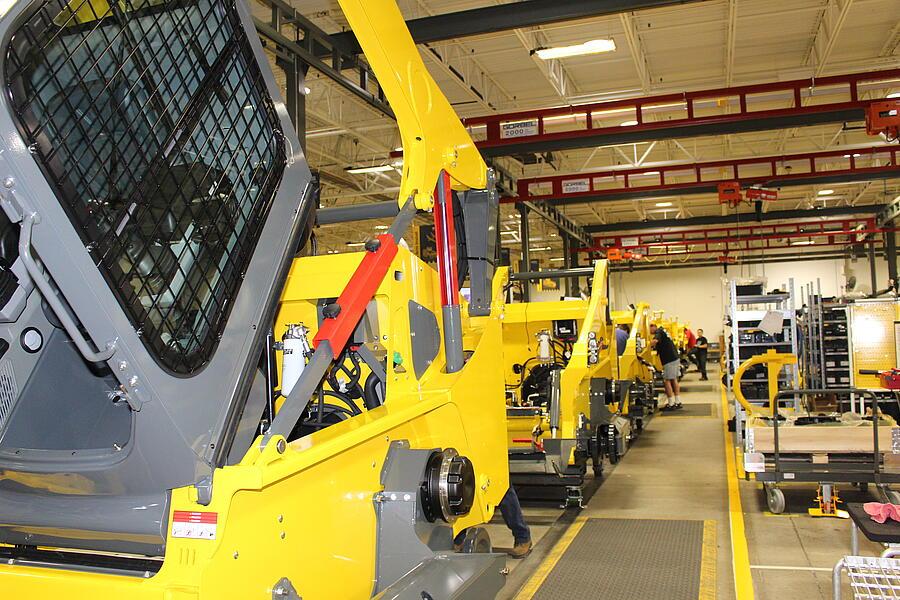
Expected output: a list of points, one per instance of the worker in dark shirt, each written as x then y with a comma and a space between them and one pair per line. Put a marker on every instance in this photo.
701, 349
668, 356
622, 334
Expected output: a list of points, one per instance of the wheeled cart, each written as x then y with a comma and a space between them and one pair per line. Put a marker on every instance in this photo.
824, 450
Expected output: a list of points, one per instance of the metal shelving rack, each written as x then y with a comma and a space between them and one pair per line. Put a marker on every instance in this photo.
745, 312
827, 351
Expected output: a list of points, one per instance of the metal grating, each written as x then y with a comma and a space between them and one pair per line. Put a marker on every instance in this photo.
9, 391
873, 578
152, 122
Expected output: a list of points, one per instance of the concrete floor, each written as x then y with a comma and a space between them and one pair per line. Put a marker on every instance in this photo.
676, 470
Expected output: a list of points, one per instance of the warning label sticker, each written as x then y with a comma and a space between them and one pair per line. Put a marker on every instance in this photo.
195, 525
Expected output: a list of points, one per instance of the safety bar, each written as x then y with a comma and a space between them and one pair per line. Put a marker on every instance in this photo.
775, 362
46, 288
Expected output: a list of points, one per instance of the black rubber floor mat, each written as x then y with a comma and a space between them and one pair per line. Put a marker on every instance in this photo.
631, 559
704, 409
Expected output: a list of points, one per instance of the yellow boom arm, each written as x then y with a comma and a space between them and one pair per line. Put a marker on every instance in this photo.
433, 137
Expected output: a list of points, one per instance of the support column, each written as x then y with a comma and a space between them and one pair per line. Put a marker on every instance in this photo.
295, 96
525, 265
890, 253
872, 268
575, 262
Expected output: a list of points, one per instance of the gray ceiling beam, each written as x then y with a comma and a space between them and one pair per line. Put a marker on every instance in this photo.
737, 218
503, 17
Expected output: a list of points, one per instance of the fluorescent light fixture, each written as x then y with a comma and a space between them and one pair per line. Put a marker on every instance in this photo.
539, 249
355, 244
627, 123
679, 251
663, 204
893, 95
398, 149
825, 192
557, 259
372, 169
382, 227
589, 47
803, 243
854, 155
508, 232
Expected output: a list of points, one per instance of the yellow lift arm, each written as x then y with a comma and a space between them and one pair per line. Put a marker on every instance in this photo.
433, 137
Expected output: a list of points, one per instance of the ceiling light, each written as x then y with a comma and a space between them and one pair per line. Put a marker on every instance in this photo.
589, 47
382, 227
355, 244
803, 243
306, 91
627, 123
398, 149
825, 192
539, 249
893, 95
508, 232
663, 204
557, 259
372, 169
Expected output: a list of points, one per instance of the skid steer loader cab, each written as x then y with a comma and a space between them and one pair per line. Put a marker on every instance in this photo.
153, 191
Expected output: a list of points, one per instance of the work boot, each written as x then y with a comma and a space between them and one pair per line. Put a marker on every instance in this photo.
520, 550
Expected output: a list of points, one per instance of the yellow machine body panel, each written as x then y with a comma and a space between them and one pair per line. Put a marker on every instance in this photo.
309, 511
633, 364
306, 509
523, 321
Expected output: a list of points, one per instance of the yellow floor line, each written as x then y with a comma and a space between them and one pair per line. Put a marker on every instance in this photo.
708, 562
531, 587
743, 580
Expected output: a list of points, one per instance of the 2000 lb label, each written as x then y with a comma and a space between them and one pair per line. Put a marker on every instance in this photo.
194, 525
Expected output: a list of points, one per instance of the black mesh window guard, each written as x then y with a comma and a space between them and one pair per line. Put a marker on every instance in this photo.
152, 123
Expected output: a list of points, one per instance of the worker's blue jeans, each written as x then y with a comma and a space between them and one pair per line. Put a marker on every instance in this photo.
513, 517
511, 511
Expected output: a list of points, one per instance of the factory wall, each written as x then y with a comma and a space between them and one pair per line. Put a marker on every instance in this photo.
697, 295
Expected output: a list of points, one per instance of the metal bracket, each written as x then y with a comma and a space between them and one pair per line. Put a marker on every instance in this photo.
204, 490
284, 590
46, 288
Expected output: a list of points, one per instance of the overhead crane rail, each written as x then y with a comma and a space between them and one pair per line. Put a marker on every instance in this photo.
725, 240
833, 166
718, 111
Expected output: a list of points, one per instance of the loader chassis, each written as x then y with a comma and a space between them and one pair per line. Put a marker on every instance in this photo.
154, 194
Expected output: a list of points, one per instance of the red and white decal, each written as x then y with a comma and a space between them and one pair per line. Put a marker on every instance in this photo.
194, 525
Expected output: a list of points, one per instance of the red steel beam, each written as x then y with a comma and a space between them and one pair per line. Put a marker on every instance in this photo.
704, 177
536, 130
740, 238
